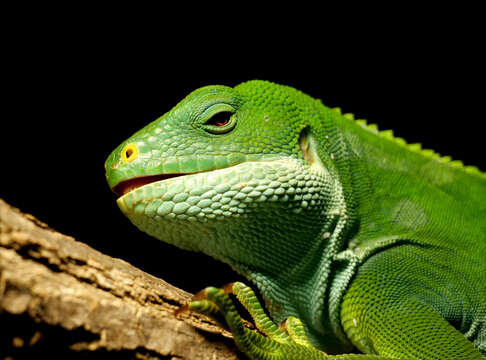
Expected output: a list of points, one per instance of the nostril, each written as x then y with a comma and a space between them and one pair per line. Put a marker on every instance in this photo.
129, 153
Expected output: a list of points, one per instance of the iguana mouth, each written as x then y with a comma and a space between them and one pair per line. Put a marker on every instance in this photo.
131, 184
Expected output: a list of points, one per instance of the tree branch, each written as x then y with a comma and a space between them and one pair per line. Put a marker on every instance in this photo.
60, 296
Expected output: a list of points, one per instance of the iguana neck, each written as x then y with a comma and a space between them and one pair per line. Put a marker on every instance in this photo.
396, 189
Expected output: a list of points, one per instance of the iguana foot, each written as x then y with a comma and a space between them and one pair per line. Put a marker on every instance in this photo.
288, 341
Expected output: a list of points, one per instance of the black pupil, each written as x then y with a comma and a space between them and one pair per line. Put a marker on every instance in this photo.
220, 119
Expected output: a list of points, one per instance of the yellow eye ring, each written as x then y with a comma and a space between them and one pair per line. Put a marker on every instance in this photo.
129, 153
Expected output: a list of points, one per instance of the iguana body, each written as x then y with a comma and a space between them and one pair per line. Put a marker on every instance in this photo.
367, 240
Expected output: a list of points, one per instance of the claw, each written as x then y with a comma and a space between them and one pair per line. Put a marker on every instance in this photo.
228, 288
182, 309
200, 295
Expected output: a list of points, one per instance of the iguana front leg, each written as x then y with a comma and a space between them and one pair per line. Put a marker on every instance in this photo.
287, 342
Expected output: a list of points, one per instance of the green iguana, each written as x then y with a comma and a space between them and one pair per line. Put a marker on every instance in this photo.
354, 237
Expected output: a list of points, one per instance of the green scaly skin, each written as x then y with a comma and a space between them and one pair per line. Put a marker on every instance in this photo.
372, 243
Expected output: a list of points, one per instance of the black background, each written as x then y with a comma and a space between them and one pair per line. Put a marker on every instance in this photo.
71, 96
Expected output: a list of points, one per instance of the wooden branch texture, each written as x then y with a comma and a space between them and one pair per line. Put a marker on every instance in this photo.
59, 296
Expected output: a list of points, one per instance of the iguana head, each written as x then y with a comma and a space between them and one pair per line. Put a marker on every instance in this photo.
231, 172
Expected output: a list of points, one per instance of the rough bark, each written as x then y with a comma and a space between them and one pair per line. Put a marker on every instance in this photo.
59, 296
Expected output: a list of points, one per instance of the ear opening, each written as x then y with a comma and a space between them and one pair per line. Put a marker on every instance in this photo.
304, 142
309, 145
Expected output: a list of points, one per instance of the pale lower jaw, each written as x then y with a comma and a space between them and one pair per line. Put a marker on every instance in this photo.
223, 193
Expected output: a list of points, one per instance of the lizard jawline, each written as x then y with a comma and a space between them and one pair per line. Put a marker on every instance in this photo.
126, 186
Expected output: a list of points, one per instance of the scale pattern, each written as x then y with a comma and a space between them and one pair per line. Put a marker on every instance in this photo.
355, 237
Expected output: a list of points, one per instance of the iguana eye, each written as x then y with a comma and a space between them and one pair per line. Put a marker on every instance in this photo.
219, 119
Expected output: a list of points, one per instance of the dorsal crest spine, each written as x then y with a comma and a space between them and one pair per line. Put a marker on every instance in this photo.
415, 147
